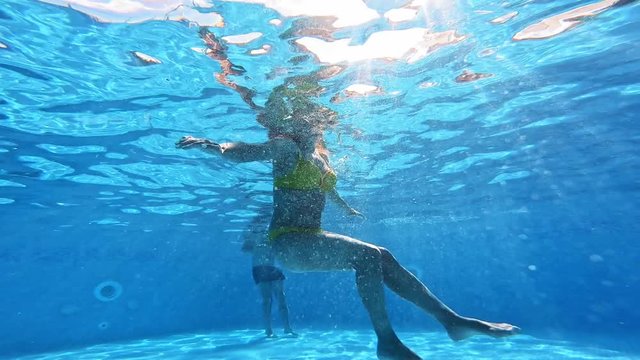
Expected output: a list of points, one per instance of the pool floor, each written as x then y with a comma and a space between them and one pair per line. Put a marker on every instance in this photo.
330, 345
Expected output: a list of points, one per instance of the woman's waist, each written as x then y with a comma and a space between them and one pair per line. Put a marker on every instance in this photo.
294, 223
276, 232
299, 195
297, 214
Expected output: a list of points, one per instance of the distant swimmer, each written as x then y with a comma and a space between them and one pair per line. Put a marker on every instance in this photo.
268, 278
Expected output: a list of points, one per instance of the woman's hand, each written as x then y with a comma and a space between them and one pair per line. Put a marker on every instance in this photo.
190, 142
354, 212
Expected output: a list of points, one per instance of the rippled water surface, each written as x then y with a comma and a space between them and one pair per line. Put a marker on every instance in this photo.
493, 146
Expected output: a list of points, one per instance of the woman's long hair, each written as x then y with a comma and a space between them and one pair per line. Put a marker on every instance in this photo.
295, 103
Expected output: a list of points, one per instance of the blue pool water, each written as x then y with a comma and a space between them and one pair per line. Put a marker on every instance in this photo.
328, 345
495, 154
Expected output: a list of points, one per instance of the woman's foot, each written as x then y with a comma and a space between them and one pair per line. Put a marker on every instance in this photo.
395, 350
464, 328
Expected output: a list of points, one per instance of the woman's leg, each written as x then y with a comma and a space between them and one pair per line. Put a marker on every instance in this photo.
278, 290
265, 293
332, 252
407, 286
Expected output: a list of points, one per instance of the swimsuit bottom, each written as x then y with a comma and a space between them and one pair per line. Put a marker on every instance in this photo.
266, 273
275, 233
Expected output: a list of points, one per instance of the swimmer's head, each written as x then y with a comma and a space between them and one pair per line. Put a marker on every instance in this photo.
293, 109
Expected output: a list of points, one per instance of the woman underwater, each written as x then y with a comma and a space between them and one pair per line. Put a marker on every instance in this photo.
303, 180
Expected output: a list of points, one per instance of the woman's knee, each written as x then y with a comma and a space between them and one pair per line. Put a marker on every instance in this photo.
386, 255
368, 257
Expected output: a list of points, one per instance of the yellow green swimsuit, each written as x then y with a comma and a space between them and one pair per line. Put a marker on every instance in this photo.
305, 176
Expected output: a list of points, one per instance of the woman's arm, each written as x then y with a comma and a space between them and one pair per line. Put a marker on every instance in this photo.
336, 198
238, 151
242, 152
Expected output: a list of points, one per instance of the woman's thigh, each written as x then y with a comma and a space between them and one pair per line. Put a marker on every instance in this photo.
278, 289
265, 290
321, 252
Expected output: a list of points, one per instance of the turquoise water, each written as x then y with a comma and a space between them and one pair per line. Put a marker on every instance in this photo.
497, 159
